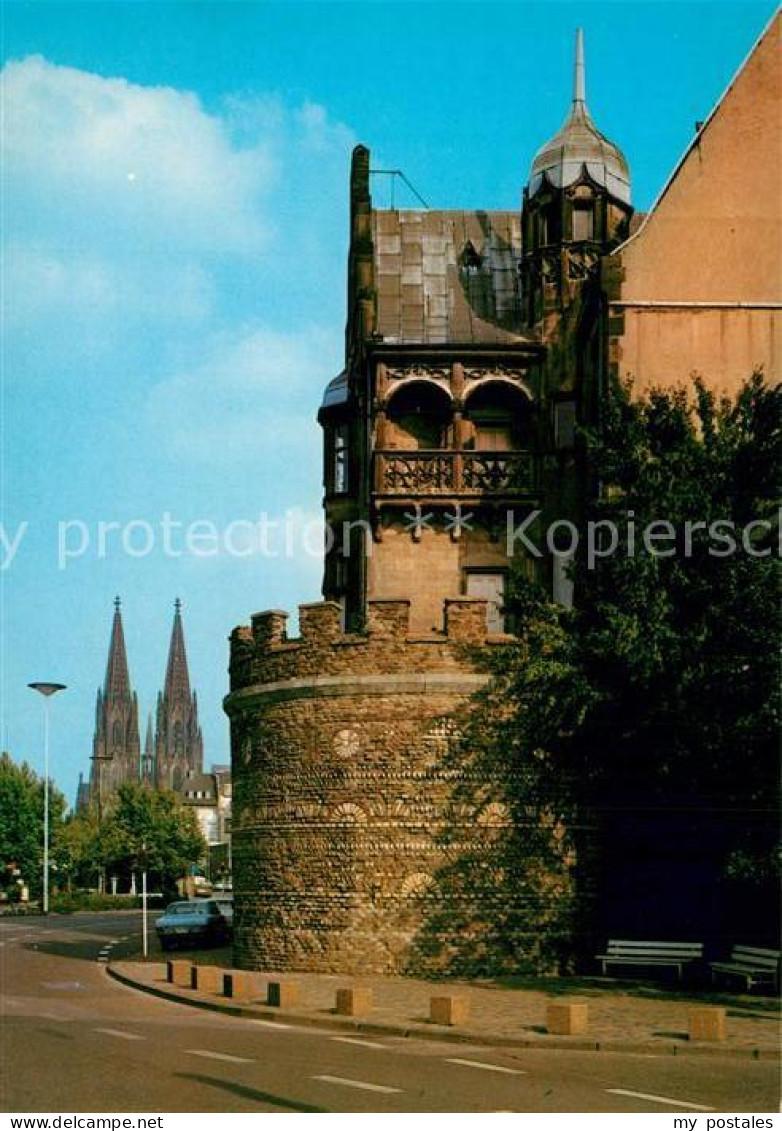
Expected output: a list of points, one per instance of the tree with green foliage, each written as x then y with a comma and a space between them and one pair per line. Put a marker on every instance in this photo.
21, 825
76, 851
637, 733
152, 827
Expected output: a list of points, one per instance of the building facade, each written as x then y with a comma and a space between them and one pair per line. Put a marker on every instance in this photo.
476, 343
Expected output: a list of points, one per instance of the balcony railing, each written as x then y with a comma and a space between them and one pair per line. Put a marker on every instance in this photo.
453, 473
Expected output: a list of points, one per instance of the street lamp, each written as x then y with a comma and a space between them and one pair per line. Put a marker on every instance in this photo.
47, 690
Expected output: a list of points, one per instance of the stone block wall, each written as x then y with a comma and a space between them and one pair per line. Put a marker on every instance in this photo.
346, 813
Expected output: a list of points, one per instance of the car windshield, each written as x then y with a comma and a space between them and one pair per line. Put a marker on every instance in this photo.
184, 909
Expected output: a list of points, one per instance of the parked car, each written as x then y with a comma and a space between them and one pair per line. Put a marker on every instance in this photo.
226, 905
192, 922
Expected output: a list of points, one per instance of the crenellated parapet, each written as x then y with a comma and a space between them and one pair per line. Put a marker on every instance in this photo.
263, 653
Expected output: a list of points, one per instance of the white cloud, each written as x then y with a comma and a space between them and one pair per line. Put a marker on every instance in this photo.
88, 156
138, 220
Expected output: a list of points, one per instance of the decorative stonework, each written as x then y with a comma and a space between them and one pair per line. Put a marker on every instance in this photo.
347, 743
494, 373
416, 474
418, 372
491, 473
582, 262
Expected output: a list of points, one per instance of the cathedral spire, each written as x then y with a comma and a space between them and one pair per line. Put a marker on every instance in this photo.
115, 748
177, 683
117, 684
178, 741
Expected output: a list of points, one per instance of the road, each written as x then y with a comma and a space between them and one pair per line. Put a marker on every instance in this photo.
73, 1040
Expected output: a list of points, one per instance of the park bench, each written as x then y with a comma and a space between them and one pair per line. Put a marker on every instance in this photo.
629, 952
755, 964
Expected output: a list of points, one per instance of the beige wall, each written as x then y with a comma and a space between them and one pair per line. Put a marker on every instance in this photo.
428, 571
714, 237
662, 347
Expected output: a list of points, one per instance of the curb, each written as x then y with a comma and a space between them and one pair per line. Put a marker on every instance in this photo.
434, 1032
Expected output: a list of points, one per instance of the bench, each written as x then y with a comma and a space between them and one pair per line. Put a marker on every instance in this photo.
755, 964
629, 952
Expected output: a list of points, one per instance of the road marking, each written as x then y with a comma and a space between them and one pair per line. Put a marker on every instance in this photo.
269, 1024
356, 1084
220, 1056
358, 1041
488, 1067
121, 1034
658, 1099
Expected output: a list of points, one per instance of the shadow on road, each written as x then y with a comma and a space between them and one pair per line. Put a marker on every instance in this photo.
248, 1093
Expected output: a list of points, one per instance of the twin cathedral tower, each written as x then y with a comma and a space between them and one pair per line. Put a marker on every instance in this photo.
173, 749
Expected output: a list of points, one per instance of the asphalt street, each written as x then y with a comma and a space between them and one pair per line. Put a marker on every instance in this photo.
73, 1040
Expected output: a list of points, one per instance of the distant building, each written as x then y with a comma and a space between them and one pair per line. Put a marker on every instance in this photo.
173, 753
209, 794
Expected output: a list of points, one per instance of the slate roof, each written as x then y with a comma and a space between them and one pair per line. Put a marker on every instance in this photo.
446, 277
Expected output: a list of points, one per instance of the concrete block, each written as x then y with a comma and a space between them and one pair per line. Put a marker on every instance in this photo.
283, 995
354, 1001
178, 972
567, 1018
240, 985
707, 1023
208, 979
450, 1009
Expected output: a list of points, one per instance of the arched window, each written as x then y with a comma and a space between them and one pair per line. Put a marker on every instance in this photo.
501, 417
419, 416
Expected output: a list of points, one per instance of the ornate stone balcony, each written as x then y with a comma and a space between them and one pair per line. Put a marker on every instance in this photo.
453, 473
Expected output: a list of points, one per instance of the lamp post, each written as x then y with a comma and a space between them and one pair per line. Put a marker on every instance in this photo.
47, 690
144, 916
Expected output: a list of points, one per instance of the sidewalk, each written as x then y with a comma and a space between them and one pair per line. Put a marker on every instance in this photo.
621, 1019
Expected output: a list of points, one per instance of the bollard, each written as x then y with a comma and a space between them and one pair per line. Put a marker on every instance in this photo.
354, 1001
450, 1009
178, 972
567, 1019
208, 979
239, 985
283, 995
707, 1023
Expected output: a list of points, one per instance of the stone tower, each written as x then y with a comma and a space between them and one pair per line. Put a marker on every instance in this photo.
576, 208
361, 842
116, 748
179, 747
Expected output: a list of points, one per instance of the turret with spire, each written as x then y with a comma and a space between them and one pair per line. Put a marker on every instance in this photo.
576, 205
178, 742
116, 745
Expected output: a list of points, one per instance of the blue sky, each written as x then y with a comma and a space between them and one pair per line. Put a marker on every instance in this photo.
175, 217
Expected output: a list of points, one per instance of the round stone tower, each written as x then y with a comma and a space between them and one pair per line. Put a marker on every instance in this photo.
343, 786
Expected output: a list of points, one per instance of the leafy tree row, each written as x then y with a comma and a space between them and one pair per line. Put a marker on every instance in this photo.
634, 737
142, 828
